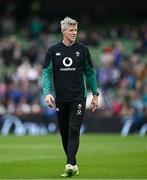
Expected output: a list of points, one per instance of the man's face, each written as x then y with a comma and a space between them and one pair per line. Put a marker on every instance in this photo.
70, 33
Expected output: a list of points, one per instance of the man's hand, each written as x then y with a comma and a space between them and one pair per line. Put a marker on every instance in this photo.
94, 103
49, 99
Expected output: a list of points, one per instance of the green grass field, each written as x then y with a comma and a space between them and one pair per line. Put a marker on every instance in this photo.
99, 157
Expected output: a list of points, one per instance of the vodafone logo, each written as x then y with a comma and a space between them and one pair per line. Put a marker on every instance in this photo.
67, 61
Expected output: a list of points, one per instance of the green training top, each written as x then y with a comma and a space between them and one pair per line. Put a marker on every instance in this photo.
69, 66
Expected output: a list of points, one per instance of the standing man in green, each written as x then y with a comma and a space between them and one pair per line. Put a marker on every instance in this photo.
69, 64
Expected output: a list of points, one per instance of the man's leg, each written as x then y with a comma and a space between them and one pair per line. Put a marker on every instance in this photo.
62, 110
77, 110
63, 123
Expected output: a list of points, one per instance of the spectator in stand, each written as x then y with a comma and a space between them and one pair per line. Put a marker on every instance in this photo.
127, 116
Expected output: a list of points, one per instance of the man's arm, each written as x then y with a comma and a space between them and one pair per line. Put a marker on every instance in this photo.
91, 79
47, 79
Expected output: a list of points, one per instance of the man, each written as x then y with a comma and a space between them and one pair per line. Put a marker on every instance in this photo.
69, 62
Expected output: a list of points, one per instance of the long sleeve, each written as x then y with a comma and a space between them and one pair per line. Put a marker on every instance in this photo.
47, 71
90, 73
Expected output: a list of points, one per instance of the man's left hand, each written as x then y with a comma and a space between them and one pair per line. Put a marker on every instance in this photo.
94, 103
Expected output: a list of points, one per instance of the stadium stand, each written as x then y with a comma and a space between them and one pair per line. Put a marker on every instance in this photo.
119, 54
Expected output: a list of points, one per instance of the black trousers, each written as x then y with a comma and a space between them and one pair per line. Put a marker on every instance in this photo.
70, 117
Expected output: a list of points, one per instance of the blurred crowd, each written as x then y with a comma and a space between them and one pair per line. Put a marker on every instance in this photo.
122, 77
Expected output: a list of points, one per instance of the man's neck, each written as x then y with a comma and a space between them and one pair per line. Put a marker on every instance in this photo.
68, 43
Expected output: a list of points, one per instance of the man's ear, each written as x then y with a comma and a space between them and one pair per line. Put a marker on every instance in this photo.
62, 30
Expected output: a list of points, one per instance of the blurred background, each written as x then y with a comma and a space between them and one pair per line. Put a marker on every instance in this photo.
116, 34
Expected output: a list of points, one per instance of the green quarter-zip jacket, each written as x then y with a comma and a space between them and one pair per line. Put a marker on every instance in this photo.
69, 66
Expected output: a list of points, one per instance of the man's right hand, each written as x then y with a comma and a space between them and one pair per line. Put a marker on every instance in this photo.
49, 99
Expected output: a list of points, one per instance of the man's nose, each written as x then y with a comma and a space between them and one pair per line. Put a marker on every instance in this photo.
75, 32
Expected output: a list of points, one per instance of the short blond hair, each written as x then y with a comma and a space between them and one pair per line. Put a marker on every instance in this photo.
67, 22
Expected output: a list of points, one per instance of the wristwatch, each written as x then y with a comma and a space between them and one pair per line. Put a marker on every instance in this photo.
96, 94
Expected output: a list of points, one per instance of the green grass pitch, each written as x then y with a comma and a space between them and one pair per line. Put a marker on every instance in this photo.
99, 157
